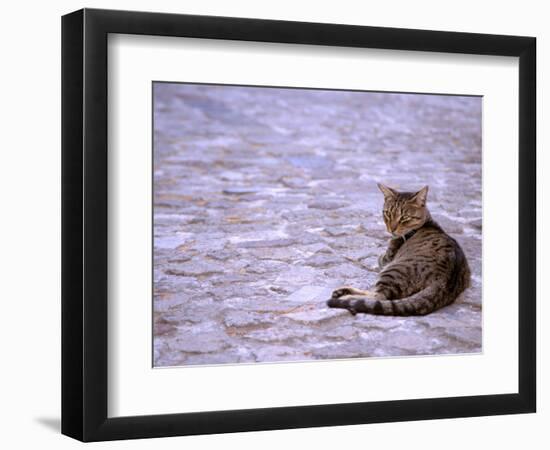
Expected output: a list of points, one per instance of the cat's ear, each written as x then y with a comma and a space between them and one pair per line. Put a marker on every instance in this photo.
388, 192
420, 197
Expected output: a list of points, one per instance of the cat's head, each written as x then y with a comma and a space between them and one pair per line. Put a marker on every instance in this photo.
404, 211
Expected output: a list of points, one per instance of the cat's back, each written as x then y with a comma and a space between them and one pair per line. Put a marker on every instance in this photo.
437, 254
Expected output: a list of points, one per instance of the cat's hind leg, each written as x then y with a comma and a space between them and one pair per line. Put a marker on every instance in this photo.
348, 290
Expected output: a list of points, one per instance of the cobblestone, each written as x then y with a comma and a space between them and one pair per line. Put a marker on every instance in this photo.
265, 200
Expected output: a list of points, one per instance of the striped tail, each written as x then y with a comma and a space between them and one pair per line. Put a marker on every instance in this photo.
419, 304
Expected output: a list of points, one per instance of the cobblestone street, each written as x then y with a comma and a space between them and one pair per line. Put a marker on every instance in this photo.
265, 200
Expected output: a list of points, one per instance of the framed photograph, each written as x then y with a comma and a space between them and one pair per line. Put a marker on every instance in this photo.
272, 224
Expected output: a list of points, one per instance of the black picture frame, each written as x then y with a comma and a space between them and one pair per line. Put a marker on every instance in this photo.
84, 224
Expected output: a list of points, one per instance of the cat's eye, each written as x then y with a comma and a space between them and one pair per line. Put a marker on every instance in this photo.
405, 219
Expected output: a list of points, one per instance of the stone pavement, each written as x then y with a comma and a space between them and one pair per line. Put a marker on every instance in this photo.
265, 200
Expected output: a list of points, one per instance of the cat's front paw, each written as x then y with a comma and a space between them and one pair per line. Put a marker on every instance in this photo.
383, 260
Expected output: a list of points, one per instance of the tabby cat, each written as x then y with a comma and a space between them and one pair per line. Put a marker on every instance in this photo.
422, 270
